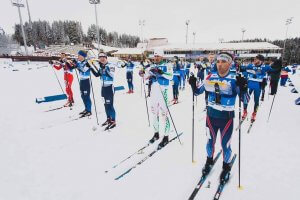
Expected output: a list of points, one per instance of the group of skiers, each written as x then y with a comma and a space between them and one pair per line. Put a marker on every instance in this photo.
99, 68
220, 77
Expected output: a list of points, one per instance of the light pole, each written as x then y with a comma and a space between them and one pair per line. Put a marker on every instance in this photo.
19, 4
243, 32
30, 24
187, 22
95, 2
194, 37
287, 23
141, 24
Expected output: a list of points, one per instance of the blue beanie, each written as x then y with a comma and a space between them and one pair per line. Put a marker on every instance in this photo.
82, 53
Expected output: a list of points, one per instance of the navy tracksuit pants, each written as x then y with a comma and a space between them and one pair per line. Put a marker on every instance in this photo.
85, 90
108, 94
226, 128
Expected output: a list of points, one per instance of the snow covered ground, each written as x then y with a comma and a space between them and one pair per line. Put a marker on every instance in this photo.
44, 156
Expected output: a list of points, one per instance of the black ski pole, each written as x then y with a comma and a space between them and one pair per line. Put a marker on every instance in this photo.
193, 128
166, 103
146, 103
271, 107
240, 117
94, 99
269, 90
77, 77
142, 86
58, 80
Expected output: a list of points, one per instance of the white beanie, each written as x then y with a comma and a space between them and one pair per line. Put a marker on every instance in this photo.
159, 52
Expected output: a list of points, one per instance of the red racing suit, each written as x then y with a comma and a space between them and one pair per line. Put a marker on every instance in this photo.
68, 77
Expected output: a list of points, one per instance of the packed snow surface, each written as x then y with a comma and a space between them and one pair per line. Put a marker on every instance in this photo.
46, 156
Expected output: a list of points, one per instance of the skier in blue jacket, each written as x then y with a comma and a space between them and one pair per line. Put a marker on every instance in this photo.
129, 74
255, 73
182, 74
176, 80
284, 74
222, 87
83, 67
106, 72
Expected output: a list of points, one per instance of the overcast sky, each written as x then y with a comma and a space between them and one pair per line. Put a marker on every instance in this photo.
210, 19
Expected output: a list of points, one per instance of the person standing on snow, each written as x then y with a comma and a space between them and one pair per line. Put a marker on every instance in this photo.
210, 65
64, 64
294, 68
222, 87
106, 72
255, 73
129, 74
176, 80
187, 70
284, 74
275, 75
83, 67
201, 68
182, 74
160, 75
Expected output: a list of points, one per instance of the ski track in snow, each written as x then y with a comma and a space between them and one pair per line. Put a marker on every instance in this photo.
67, 160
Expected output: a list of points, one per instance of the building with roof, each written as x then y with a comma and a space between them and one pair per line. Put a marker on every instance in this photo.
135, 53
243, 50
192, 51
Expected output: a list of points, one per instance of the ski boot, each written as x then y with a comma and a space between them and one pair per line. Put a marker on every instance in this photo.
83, 112
245, 113
68, 104
112, 124
163, 143
154, 138
253, 118
208, 166
225, 174
86, 114
176, 101
107, 122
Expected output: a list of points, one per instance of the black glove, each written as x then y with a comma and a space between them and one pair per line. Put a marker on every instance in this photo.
51, 62
154, 70
193, 82
241, 83
263, 83
160, 71
88, 65
102, 66
74, 61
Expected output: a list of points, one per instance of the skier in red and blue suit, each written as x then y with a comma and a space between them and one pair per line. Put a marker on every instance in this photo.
64, 64
222, 87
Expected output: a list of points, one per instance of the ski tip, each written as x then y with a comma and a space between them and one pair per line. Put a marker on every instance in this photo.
240, 187
194, 162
